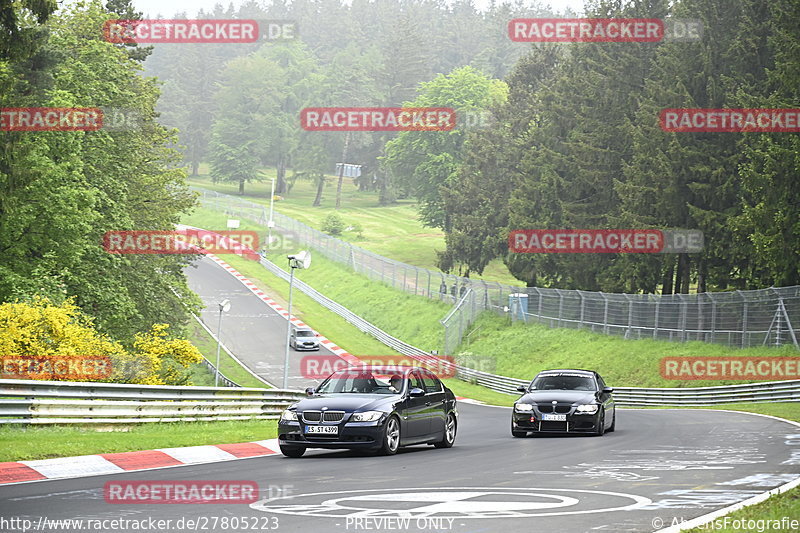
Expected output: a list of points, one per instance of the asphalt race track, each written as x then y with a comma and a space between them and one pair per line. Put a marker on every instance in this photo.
658, 468
251, 329
665, 464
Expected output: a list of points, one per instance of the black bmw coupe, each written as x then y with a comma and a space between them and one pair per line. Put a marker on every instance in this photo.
564, 401
371, 408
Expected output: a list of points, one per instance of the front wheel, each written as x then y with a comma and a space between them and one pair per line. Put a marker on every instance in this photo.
391, 437
601, 424
293, 451
517, 433
449, 437
612, 427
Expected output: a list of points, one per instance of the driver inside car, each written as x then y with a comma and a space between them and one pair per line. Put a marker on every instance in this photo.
395, 383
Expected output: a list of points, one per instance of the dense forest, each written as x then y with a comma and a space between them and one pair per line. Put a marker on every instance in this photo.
572, 141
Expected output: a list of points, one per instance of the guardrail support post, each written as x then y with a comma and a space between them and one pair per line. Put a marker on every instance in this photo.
605, 313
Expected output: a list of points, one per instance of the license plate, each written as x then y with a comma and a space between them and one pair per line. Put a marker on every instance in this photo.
554, 418
326, 430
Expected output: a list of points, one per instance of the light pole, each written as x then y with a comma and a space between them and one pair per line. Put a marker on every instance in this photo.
224, 307
301, 260
270, 222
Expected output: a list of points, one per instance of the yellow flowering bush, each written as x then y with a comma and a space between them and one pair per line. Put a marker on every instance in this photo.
42, 340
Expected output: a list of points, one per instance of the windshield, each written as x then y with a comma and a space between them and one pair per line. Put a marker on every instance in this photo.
564, 382
349, 381
304, 333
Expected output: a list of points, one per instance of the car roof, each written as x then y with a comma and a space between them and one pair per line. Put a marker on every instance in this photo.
399, 369
567, 371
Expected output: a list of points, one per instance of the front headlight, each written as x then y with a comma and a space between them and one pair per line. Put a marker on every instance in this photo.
288, 416
366, 416
523, 407
589, 409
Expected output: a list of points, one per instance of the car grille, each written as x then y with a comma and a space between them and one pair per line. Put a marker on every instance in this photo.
324, 416
554, 426
332, 416
562, 408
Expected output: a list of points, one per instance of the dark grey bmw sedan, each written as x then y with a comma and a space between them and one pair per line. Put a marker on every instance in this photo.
371, 408
564, 401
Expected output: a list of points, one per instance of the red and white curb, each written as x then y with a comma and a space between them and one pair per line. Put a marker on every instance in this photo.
116, 463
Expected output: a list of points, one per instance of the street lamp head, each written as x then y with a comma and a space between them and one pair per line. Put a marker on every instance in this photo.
300, 260
224, 306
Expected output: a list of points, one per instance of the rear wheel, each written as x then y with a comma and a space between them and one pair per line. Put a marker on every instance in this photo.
293, 451
391, 437
450, 428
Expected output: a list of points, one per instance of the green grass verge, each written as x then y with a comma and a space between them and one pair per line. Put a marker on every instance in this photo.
521, 350
392, 231
20, 443
774, 508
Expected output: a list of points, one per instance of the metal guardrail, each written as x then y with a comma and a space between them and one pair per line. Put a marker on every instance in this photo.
776, 391
67, 402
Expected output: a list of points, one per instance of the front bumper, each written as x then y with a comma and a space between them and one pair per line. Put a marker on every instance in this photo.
575, 423
362, 435
304, 348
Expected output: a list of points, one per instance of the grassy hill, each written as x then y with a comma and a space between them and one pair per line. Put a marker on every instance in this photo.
392, 231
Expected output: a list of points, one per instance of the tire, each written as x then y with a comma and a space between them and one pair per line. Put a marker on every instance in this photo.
390, 442
518, 433
293, 451
450, 428
612, 427
601, 427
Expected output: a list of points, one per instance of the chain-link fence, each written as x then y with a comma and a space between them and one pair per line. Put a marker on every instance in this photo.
739, 318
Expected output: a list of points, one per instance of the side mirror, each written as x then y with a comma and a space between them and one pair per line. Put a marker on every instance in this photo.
522, 388
310, 391
416, 392
608, 390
